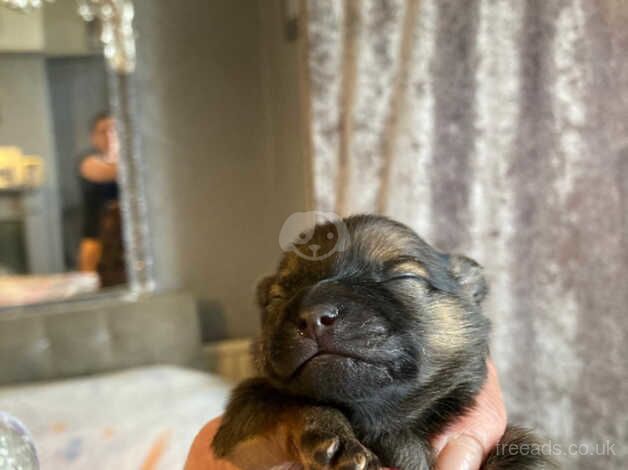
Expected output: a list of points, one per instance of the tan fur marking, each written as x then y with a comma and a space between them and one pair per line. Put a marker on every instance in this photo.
448, 332
411, 267
276, 291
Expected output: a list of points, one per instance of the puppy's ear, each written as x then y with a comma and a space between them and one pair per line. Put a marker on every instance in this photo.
469, 275
262, 291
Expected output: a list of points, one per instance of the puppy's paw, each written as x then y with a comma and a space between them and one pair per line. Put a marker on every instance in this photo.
320, 449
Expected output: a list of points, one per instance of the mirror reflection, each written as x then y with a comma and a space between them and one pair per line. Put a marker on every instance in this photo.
60, 227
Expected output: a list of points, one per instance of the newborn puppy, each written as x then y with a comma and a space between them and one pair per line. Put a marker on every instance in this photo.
367, 353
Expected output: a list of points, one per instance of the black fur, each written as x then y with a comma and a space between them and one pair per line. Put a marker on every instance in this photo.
400, 353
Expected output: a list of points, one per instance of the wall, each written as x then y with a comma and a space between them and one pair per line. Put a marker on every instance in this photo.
26, 119
222, 143
57, 28
65, 32
78, 90
20, 32
25, 122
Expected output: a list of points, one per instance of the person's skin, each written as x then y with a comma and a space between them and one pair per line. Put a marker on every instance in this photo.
101, 168
463, 446
90, 251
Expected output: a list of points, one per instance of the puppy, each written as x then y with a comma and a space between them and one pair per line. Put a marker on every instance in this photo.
366, 354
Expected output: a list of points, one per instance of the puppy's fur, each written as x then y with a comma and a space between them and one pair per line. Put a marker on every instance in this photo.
367, 354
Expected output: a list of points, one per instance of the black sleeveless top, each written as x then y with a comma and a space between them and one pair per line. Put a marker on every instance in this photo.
96, 197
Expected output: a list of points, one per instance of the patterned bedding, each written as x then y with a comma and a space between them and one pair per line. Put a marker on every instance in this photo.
142, 418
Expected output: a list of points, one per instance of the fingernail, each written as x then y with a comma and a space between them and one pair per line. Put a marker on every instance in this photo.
461, 453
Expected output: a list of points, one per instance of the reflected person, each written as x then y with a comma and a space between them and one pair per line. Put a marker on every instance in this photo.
101, 247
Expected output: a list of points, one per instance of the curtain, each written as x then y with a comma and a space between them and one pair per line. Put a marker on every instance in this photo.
497, 129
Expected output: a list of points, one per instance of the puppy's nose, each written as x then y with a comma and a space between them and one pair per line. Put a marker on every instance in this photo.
314, 321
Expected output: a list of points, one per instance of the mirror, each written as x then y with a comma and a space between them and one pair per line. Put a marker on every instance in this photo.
61, 229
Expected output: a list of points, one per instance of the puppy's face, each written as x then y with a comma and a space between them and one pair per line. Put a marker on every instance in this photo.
385, 312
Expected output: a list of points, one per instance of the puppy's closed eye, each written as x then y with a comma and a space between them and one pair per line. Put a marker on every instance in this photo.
406, 269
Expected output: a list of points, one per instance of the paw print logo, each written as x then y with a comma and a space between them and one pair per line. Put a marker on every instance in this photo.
314, 235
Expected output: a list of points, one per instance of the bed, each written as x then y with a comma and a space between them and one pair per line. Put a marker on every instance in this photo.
143, 418
121, 382
22, 290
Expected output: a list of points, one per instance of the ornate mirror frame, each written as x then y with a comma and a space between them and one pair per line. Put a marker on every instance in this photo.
118, 40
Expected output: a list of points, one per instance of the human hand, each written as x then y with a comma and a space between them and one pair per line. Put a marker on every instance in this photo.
113, 146
463, 445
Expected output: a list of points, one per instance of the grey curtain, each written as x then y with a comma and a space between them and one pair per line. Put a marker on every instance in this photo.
498, 129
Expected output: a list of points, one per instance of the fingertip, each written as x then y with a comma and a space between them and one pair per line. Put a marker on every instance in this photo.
463, 452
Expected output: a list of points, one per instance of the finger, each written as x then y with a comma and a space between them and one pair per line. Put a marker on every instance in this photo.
200, 456
257, 453
463, 452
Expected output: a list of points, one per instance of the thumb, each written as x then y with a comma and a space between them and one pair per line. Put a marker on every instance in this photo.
465, 444
464, 452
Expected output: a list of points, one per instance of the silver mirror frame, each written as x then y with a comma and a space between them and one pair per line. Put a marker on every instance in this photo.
118, 39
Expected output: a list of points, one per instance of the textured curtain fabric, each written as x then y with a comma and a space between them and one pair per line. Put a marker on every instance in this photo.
498, 129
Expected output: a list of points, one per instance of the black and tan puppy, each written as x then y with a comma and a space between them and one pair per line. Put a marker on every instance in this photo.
366, 353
